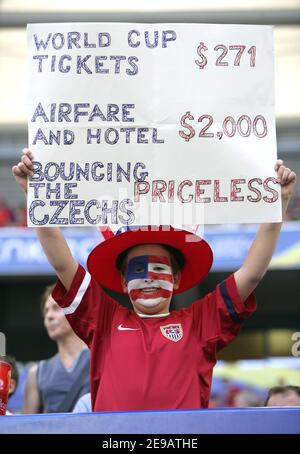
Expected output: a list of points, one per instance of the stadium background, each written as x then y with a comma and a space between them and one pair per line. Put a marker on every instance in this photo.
23, 270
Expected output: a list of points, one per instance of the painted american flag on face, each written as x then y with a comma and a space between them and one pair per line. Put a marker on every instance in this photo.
149, 279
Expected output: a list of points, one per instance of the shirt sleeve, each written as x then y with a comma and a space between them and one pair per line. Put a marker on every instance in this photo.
87, 307
218, 317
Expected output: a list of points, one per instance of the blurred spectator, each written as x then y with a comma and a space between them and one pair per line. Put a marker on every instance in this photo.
232, 390
84, 404
293, 213
6, 214
247, 398
283, 396
215, 401
13, 379
21, 216
16, 401
230, 393
54, 385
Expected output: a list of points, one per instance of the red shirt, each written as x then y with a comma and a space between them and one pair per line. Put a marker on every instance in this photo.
151, 363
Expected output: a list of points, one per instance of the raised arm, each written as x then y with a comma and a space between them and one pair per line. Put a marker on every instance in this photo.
51, 238
263, 246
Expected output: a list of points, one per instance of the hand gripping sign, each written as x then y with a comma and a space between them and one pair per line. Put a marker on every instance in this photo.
137, 124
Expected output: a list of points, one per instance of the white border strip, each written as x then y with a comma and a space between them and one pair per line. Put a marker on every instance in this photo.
81, 291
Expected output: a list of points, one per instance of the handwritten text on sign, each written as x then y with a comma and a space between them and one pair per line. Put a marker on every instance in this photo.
151, 124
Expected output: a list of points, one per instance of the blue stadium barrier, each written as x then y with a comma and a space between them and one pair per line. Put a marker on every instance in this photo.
212, 421
21, 252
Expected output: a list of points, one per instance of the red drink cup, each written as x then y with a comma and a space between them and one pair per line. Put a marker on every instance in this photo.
5, 373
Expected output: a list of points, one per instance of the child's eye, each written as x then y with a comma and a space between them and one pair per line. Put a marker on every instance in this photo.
139, 269
159, 268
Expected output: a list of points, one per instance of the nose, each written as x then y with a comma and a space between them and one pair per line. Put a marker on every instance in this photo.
148, 279
49, 314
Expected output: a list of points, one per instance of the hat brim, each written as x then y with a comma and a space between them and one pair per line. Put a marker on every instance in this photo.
197, 254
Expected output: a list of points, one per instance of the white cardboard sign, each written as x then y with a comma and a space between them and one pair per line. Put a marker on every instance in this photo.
137, 124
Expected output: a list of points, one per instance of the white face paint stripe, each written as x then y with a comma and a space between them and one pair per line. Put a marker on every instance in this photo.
77, 300
151, 302
136, 284
164, 269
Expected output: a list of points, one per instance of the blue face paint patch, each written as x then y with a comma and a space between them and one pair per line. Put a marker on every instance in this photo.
137, 268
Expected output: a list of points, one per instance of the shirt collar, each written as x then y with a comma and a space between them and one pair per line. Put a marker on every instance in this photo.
152, 316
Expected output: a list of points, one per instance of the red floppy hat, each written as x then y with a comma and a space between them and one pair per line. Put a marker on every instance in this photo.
198, 256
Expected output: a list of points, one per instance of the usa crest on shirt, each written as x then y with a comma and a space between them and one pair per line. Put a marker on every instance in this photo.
173, 332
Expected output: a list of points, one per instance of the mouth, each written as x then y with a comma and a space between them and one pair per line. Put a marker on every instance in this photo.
149, 289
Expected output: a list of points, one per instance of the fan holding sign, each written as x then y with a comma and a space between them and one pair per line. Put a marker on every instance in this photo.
149, 358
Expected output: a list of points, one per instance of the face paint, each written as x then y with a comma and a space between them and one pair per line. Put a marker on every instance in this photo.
149, 279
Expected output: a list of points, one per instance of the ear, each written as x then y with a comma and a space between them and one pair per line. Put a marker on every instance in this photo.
177, 278
12, 386
124, 284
